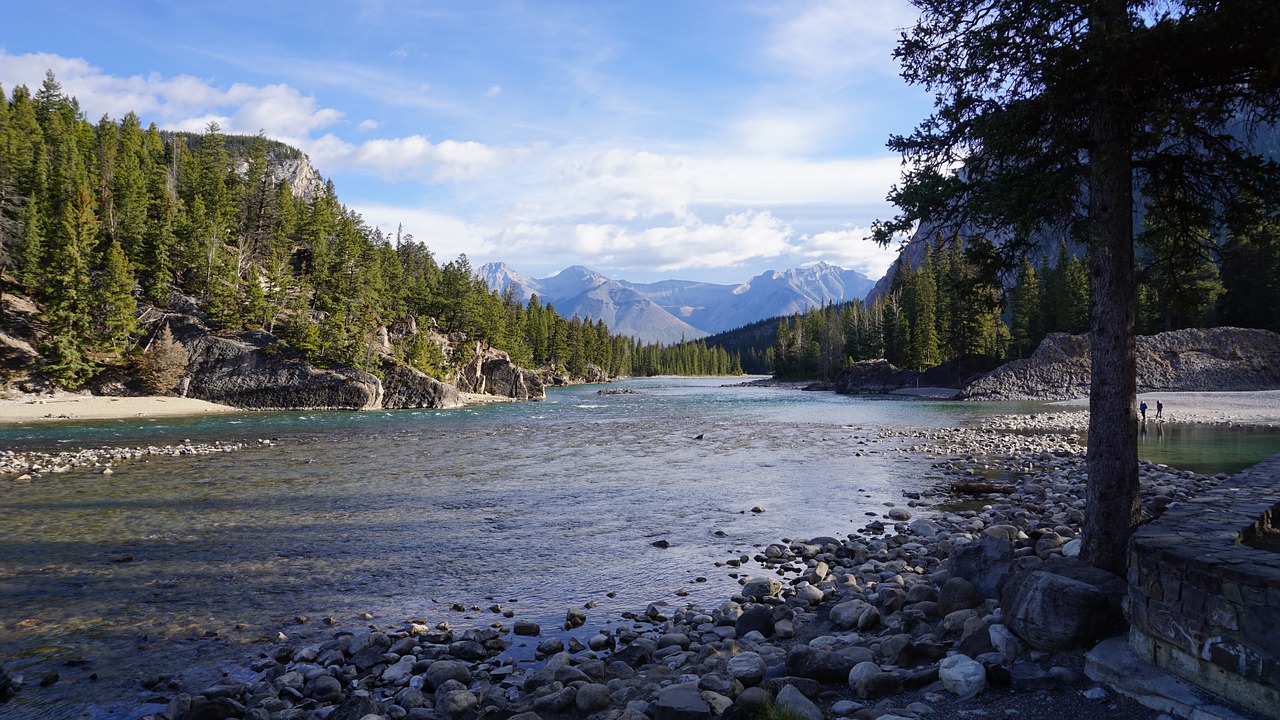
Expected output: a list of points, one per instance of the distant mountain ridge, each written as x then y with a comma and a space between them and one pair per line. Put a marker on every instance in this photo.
586, 293
669, 310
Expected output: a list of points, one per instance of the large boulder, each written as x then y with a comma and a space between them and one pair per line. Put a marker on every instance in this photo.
747, 668
962, 675
872, 376
252, 370
1052, 612
823, 665
800, 706
682, 702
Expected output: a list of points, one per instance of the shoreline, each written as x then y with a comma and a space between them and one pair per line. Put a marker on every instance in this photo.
1245, 408
76, 406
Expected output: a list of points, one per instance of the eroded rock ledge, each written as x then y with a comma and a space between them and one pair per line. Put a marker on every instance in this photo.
1205, 359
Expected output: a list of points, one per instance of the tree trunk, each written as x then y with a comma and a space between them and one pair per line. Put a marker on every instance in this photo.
1112, 499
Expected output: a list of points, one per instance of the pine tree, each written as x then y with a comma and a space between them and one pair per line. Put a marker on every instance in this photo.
1064, 116
114, 302
1026, 326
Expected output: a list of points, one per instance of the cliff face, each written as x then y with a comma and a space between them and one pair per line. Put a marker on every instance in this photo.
1204, 360
249, 370
245, 371
491, 372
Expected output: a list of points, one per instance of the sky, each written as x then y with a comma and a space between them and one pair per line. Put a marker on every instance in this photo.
647, 139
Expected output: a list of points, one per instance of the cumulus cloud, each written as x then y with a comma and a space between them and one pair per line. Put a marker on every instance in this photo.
417, 157
177, 102
733, 241
849, 248
630, 185
369, 124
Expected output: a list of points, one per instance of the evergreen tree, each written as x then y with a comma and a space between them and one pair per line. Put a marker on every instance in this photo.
114, 301
1059, 116
1026, 326
1251, 276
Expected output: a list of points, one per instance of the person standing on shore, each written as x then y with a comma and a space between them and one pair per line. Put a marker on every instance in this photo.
1159, 410
1142, 409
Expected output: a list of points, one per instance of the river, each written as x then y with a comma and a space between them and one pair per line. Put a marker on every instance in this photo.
185, 563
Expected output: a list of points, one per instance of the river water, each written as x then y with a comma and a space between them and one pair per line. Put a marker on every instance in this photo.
183, 563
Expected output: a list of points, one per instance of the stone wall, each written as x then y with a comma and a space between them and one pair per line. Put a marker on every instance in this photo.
1205, 605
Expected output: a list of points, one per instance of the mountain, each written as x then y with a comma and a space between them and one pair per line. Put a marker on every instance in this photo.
715, 308
587, 293
692, 309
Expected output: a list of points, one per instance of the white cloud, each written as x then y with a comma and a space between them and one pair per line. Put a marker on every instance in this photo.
850, 248
281, 112
493, 91
369, 124
179, 102
782, 132
737, 239
445, 235
414, 157
630, 185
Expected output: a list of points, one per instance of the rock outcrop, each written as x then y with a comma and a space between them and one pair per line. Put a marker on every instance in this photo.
1203, 360
18, 332
255, 370
872, 376
491, 372
405, 387
248, 370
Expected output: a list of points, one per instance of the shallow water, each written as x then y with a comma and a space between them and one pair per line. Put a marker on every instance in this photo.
537, 507
1207, 449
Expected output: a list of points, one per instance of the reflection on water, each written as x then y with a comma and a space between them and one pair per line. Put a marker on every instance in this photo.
1206, 449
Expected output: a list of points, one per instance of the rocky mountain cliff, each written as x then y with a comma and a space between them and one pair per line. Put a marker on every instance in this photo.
668, 310
1208, 359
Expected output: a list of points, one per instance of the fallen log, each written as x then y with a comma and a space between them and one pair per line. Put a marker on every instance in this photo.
970, 487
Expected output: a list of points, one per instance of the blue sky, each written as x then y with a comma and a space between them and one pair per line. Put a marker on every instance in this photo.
704, 140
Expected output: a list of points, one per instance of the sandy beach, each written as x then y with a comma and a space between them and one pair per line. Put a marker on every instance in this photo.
74, 406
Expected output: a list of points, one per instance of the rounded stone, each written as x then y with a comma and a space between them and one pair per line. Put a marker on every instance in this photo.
591, 698
747, 668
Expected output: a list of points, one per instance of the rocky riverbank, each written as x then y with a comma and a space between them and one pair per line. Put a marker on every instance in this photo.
927, 611
27, 466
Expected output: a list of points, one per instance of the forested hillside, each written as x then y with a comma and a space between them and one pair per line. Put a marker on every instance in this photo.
956, 303
101, 221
